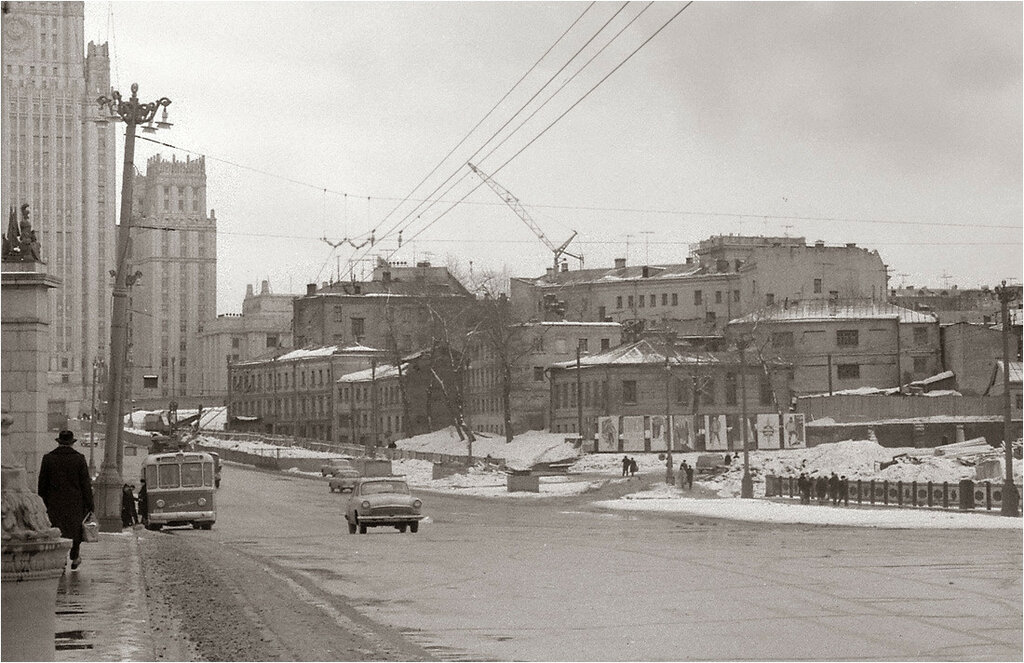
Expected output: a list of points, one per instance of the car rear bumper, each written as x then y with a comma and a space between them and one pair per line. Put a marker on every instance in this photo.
389, 520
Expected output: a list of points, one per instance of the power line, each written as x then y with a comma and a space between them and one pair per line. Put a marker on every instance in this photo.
564, 113
595, 208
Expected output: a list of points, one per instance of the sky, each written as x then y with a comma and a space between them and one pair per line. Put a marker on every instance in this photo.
896, 126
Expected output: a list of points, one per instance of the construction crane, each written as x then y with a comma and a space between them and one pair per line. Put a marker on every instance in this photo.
521, 212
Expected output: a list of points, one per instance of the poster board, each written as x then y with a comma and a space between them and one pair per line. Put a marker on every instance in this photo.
716, 433
683, 435
659, 433
768, 431
793, 428
632, 433
608, 434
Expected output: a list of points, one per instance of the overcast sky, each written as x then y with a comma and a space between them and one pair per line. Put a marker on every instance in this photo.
735, 118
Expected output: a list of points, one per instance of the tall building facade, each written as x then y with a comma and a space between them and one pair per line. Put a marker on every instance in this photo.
58, 156
174, 247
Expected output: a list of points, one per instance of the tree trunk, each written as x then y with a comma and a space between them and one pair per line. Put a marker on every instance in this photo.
506, 401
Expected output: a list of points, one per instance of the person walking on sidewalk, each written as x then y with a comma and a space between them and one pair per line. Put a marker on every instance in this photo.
129, 514
66, 490
625, 466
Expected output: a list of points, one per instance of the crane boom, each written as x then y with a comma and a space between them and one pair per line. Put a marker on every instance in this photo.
521, 212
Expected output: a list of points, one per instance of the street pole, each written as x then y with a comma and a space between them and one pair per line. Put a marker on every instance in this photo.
108, 483
92, 419
1010, 497
747, 483
669, 463
579, 396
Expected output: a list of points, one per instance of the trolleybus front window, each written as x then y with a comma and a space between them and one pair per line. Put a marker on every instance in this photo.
169, 477
191, 475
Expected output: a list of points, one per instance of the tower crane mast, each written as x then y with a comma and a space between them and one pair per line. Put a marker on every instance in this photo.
517, 207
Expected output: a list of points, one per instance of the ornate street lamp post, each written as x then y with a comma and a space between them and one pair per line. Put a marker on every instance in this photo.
97, 365
109, 482
1011, 499
747, 482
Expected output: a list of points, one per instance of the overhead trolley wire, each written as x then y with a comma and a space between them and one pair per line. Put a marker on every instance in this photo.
557, 119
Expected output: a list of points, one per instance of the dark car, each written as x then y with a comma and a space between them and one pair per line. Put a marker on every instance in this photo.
343, 476
383, 501
331, 466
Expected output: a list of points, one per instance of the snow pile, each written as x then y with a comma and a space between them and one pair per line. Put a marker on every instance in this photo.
525, 450
670, 500
262, 449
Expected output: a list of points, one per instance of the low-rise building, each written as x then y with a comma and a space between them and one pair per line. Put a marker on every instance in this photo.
997, 386
533, 350
840, 345
377, 405
292, 392
649, 395
264, 326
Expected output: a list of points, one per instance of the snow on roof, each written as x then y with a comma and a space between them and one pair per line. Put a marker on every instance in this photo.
569, 323
640, 352
631, 273
305, 353
826, 311
1015, 371
359, 347
381, 372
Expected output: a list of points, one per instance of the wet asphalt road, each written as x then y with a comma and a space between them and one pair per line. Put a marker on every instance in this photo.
557, 580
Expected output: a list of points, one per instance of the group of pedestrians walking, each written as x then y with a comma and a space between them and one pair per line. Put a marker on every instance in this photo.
824, 488
686, 475
629, 466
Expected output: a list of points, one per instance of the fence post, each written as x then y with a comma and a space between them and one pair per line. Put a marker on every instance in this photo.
988, 495
913, 489
899, 492
930, 494
885, 492
945, 494
871, 486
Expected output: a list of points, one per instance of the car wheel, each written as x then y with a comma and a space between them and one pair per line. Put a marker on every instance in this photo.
196, 525
400, 528
414, 527
351, 528
362, 528
207, 525
153, 528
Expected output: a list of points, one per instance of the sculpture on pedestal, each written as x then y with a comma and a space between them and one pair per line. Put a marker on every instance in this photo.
21, 244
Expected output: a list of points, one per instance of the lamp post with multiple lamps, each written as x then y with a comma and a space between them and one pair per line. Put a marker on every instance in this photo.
109, 482
97, 366
1011, 500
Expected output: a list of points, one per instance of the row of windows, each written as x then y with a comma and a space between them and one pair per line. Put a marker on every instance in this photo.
316, 378
316, 406
670, 299
596, 393
845, 338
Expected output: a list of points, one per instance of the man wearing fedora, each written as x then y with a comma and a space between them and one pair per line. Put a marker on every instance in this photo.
66, 490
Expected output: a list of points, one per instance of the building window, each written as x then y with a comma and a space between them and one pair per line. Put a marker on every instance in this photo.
681, 395
817, 286
675, 299
766, 392
847, 338
736, 295
920, 336
629, 392
718, 296
538, 373
654, 301
769, 299
629, 301
618, 302
643, 301
782, 339
709, 316
582, 345
664, 299
605, 343
601, 314
358, 328
698, 297
848, 371
920, 364
235, 343
730, 389
271, 340
707, 392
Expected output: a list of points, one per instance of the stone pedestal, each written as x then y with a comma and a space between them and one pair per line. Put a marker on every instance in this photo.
34, 556
24, 362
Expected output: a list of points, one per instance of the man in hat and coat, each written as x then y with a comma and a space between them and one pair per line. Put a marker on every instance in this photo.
66, 490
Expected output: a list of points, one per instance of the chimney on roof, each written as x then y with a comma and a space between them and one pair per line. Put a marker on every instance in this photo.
620, 263
851, 245
551, 272
248, 290
645, 271
310, 289
819, 244
689, 260
565, 266
265, 287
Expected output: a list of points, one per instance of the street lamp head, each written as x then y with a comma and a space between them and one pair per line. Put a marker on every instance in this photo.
163, 123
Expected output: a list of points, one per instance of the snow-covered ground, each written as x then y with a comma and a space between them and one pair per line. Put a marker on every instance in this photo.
853, 459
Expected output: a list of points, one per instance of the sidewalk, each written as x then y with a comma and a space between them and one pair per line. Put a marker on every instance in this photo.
101, 606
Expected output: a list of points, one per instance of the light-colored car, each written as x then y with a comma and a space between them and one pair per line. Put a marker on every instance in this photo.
343, 476
330, 466
384, 501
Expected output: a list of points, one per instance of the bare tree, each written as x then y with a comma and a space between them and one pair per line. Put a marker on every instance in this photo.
452, 323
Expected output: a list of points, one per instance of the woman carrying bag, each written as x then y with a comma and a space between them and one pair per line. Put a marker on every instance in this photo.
66, 490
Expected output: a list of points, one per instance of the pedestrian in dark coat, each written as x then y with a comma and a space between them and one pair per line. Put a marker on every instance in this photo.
143, 502
821, 487
66, 490
689, 476
803, 483
129, 514
632, 467
833, 488
625, 466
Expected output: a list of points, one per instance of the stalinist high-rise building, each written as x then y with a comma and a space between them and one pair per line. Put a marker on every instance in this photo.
58, 158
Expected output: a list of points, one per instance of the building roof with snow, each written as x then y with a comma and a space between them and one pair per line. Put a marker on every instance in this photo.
830, 311
381, 371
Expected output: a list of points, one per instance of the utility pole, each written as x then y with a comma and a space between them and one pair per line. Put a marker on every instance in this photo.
109, 482
373, 406
746, 483
669, 463
1010, 497
96, 364
579, 395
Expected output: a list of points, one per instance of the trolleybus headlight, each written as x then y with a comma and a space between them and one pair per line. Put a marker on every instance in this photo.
365, 504
160, 504
202, 501
417, 504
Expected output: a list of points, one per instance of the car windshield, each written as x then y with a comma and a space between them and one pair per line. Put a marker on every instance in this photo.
377, 487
